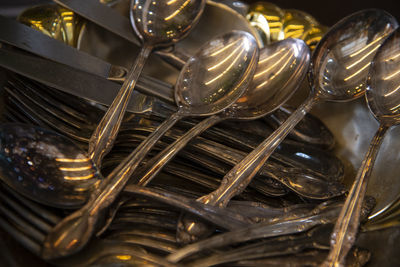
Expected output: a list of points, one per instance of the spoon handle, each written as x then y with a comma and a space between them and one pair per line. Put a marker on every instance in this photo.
106, 132
236, 180
155, 165
346, 227
74, 231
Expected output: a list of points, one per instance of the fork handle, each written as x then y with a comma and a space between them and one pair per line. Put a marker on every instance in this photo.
346, 227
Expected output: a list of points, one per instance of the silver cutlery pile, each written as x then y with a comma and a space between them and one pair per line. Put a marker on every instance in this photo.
199, 161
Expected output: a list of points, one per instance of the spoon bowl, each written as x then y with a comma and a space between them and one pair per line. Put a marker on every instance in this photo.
217, 76
341, 45
45, 167
341, 60
382, 94
281, 67
157, 23
383, 99
163, 23
74, 231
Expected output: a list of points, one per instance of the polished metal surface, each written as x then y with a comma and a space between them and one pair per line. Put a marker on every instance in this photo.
103, 44
73, 81
218, 74
383, 100
23, 37
166, 29
45, 166
342, 58
351, 123
75, 231
280, 68
164, 23
54, 21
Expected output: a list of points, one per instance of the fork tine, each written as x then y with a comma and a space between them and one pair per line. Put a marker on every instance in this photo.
24, 213
21, 224
22, 238
55, 98
37, 209
26, 106
30, 95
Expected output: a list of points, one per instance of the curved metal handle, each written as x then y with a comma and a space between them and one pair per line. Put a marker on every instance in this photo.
236, 180
346, 227
155, 165
106, 132
74, 231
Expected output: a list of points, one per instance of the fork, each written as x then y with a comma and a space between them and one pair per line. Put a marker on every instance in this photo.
28, 223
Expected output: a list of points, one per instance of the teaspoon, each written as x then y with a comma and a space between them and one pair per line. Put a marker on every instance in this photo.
209, 82
383, 98
157, 24
280, 69
339, 68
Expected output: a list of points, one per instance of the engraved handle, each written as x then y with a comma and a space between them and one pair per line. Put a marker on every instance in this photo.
106, 132
346, 227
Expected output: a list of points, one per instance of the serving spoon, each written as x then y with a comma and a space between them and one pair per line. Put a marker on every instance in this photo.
210, 81
280, 69
383, 98
339, 68
157, 24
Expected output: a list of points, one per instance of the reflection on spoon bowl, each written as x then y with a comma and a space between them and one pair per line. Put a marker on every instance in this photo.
45, 167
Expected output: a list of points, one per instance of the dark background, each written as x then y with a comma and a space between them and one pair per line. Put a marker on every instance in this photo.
327, 12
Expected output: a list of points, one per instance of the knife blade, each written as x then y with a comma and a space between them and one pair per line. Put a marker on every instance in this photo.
76, 82
28, 39
103, 16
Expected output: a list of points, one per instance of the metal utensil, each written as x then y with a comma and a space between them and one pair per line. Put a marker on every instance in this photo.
280, 68
383, 100
75, 82
199, 92
28, 39
334, 78
156, 24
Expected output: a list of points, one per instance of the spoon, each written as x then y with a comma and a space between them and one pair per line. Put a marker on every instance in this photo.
280, 69
339, 67
45, 166
156, 23
383, 100
210, 81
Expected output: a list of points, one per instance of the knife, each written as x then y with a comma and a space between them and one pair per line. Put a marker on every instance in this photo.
28, 39
111, 20
77, 82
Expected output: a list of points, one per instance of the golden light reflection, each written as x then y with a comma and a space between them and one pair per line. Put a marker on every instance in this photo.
392, 92
224, 60
395, 108
357, 72
391, 75
124, 257
273, 65
79, 178
176, 12
276, 73
368, 46
271, 57
191, 226
84, 168
72, 160
227, 69
393, 57
219, 51
363, 57
171, 2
